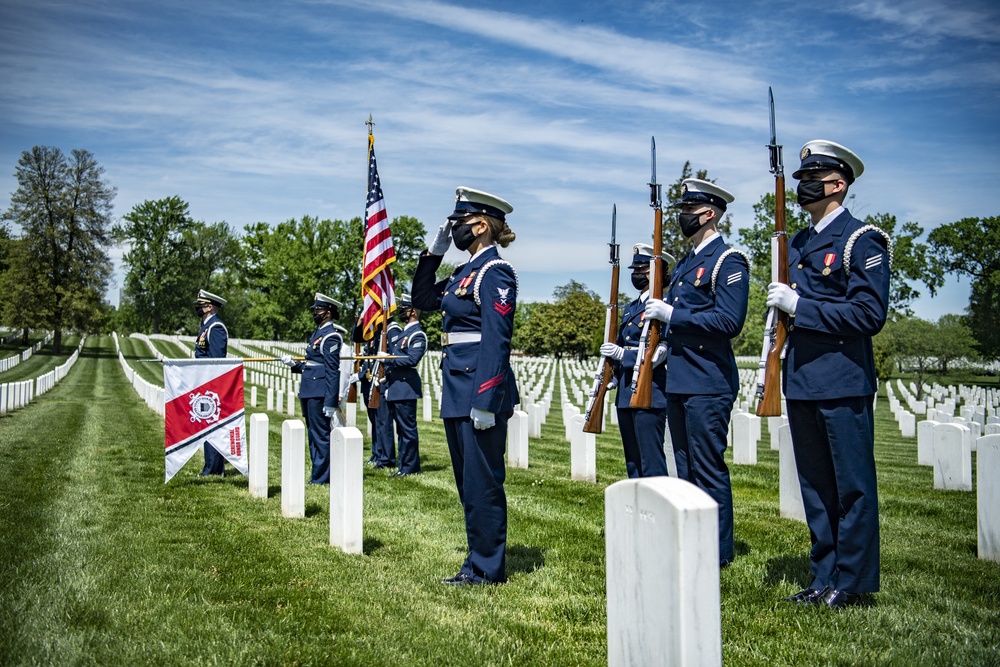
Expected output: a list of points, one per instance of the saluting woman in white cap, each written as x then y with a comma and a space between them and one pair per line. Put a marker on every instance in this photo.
477, 305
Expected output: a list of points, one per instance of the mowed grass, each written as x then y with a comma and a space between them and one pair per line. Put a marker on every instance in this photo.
103, 564
43, 361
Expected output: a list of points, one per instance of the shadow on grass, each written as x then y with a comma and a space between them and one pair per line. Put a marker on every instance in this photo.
370, 545
312, 509
523, 559
433, 467
794, 569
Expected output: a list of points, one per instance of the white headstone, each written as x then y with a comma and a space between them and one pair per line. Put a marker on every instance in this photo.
744, 444
988, 496
270, 398
662, 546
991, 429
774, 424
253, 397
427, 405
952, 458
291, 404
293, 469
517, 440
907, 424
351, 414
925, 442
583, 451
258, 455
346, 489
789, 488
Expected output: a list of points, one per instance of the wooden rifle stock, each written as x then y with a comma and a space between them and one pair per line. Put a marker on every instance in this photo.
776, 329
375, 397
594, 419
642, 396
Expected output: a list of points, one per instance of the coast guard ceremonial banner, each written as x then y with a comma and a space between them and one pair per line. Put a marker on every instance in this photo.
203, 405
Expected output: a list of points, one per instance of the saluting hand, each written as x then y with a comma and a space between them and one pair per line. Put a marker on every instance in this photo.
783, 297
659, 310
442, 241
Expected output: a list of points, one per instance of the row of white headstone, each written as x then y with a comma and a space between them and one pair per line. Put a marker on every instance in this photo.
16, 395
9, 362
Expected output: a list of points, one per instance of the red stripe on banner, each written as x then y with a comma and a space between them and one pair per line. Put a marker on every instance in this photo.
503, 310
199, 409
489, 384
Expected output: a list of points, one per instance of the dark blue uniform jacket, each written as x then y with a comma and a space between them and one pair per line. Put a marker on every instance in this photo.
321, 369
402, 378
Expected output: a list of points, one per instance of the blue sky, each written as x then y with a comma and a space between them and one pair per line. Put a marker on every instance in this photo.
254, 111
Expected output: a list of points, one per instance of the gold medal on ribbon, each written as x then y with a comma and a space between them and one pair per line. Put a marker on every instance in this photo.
830, 258
697, 278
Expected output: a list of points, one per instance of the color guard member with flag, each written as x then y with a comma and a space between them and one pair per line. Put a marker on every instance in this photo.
837, 299
477, 304
319, 391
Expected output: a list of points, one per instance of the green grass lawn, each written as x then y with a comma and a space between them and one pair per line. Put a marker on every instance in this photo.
103, 564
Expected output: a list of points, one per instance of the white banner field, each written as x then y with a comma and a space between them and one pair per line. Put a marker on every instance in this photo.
203, 405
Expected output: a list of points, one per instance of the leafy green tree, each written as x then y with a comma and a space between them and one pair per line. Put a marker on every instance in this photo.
954, 340
916, 343
158, 268
63, 207
573, 324
969, 247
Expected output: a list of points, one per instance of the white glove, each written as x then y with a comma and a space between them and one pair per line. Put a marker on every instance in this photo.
286, 359
660, 355
658, 310
783, 297
354, 378
336, 417
442, 241
383, 354
482, 420
613, 384
612, 351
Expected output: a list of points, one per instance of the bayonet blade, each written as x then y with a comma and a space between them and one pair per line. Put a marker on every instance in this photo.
614, 234
652, 160
770, 99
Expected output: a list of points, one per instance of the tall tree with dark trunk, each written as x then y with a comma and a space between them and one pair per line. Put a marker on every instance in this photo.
63, 208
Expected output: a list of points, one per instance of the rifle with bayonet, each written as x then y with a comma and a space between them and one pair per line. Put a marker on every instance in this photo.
776, 327
594, 419
378, 370
642, 374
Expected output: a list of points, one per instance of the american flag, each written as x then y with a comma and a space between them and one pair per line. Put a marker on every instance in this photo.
377, 285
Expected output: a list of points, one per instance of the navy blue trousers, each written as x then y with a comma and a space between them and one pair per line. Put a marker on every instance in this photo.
699, 429
215, 463
834, 444
383, 438
404, 415
477, 459
319, 439
642, 440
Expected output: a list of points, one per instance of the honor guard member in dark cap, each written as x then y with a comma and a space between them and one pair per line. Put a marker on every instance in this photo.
641, 429
383, 437
319, 391
402, 388
212, 343
703, 310
477, 305
837, 299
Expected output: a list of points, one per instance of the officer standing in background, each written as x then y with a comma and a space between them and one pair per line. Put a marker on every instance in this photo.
641, 430
383, 438
402, 388
212, 343
477, 305
319, 391
837, 300
703, 310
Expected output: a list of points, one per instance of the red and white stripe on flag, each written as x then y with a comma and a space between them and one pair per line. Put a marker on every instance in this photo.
203, 406
377, 285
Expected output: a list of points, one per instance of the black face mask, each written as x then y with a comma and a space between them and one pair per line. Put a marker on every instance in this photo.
199, 311
319, 316
810, 192
640, 281
463, 236
690, 223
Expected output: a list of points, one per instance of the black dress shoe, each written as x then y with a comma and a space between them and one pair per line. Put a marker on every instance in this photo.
400, 473
463, 579
839, 599
805, 596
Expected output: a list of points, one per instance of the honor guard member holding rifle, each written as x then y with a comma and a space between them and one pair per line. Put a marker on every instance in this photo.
383, 438
319, 391
703, 310
837, 300
212, 343
402, 387
477, 305
642, 430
